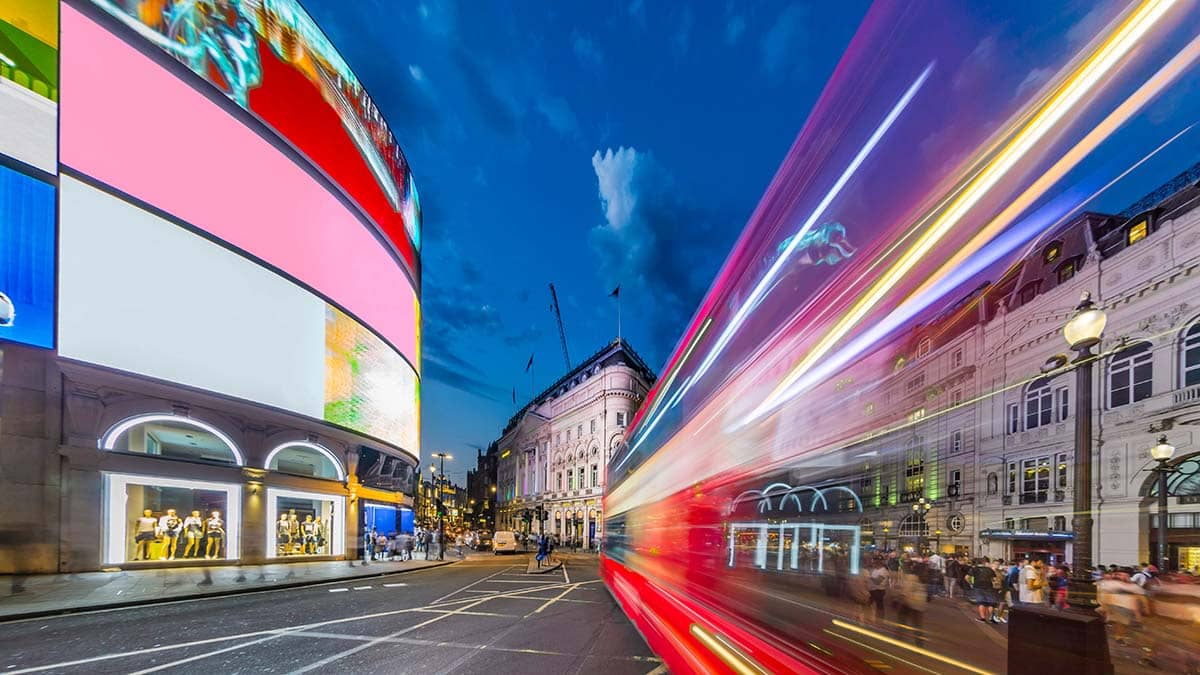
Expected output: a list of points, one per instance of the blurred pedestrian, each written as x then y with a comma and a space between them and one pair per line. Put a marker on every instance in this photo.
983, 590
913, 601
878, 581
1033, 583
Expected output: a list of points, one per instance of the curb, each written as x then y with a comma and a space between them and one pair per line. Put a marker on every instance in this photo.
42, 613
555, 563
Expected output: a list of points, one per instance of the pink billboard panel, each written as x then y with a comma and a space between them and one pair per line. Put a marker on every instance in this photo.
130, 123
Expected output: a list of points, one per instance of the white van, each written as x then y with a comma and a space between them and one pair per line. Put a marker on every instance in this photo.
504, 542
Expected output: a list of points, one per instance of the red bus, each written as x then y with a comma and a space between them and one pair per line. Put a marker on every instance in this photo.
860, 454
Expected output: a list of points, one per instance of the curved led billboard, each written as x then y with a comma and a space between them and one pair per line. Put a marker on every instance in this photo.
259, 244
269, 57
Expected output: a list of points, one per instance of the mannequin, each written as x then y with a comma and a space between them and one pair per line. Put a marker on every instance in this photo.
297, 538
193, 531
283, 537
311, 530
214, 529
146, 531
170, 525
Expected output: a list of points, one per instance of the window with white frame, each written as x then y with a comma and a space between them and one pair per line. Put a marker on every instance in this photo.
620, 418
595, 475
592, 426
1190, 358
1039, 404
923, 347
915, 383
1062, 396
559, 481
1130, 375
956, 397
1014, 418
956, 441
1010, 486
956, 358
1060, 468
956, 482
581, 477
570, 479
1035, 480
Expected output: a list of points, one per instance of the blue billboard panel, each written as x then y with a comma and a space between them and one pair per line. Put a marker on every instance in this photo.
26, 259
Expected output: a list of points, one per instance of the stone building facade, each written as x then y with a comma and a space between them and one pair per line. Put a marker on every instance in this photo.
553, 453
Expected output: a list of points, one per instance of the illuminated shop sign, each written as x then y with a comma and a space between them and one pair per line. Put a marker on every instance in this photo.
269, 57
1030, 535
26, 259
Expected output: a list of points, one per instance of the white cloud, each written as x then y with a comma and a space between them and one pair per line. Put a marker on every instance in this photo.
559, 114
416, 72
586, 50
615, 172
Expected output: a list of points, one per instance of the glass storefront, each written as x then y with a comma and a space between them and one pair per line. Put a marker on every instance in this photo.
304, 524
149, 518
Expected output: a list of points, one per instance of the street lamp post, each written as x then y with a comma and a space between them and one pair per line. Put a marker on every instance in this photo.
441, 518
1162, 452
1083, 332
921, 508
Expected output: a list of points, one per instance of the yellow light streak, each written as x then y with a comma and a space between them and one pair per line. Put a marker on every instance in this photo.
912, 648
731, 656
1086, 76
1129, 107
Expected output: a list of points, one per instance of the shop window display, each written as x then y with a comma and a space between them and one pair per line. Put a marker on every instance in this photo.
158, 519
305, 524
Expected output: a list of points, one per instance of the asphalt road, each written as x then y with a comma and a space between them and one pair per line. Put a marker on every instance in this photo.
483, 615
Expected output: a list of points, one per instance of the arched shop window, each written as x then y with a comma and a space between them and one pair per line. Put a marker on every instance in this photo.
303, 458
172, 437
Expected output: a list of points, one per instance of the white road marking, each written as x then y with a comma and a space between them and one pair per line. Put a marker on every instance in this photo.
518, 581
474, 583
338, 590
198, 657
566, 577
553, 600
394, 585
362, 588
279, 632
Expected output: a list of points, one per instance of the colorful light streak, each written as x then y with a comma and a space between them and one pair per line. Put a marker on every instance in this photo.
1086, 76
766, 282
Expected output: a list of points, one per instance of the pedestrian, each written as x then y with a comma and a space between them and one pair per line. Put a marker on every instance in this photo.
951, 577
409, 545
1003, 591
458, 544
1058, 587
426, 541
912, 602
936, 570
368, 545
1033, 583
877, 584
983, 592
541, 555
858, 589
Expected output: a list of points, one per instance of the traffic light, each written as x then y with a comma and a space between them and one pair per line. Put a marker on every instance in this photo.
441, 509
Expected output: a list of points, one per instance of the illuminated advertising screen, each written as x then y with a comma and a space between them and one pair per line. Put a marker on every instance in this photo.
269, 57
368, 386
26, 259
29, 81
144, 295
220, 175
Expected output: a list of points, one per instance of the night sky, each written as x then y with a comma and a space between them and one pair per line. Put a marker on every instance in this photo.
628, 143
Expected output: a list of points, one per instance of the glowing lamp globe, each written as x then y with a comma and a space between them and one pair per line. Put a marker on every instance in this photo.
1085, 328
1162, 451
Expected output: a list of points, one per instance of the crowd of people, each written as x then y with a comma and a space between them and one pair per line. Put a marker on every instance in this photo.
426, 541
1127, 597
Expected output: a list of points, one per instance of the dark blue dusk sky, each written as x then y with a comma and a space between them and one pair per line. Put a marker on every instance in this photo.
512, 114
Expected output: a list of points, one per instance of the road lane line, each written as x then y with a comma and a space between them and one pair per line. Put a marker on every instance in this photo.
474, 583
367, 645
198, 657
362, 588
566, 577
289, 629
551, 601
394, 585
338, 590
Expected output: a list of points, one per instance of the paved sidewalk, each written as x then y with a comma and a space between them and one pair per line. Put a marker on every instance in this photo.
45, 594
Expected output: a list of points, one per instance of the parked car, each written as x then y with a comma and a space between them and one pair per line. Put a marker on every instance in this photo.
483, 541
505, 542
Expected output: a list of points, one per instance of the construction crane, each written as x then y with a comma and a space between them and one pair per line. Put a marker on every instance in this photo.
562, 335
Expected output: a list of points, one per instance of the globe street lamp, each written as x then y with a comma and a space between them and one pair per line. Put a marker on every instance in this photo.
921, 508
1083, 332
1162, 452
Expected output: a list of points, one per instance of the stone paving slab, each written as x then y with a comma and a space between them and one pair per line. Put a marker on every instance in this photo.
47, 594
553, 563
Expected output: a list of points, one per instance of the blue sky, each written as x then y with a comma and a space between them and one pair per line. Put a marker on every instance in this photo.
516, 115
